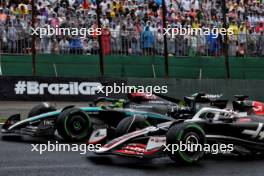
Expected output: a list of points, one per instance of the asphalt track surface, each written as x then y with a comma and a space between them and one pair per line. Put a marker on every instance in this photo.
16, 158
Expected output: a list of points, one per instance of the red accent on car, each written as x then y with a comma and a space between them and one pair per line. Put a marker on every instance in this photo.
132, 149
244, 120
128, 152
151, 152
122, 138
136, 97
258, 108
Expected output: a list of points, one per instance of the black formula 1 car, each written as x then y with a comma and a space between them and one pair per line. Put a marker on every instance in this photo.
72, 123
239, 133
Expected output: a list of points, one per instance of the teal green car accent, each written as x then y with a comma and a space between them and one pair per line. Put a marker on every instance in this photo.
148, 114
91, 109
45, 115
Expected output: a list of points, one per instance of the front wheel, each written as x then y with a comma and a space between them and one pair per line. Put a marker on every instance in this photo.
186, 134
74, 125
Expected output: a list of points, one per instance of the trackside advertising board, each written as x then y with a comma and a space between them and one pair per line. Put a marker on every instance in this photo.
58, 89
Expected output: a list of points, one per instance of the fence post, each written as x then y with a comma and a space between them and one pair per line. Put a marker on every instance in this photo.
164, 11
33, 45
224, 9
98, 13
1, 73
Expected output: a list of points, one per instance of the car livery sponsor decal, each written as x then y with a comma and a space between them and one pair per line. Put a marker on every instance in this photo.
258, 108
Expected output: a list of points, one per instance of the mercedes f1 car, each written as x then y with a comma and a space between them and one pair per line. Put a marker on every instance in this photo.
244, 134
72, 123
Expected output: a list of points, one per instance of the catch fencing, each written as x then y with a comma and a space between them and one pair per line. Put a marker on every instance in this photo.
17, 40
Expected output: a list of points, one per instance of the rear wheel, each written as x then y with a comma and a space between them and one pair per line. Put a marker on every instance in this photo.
41, 109
130, 124
186, 134
74, 125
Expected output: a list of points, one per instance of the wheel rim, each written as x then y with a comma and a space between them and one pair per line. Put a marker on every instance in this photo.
192, 139
77, 126
190, 156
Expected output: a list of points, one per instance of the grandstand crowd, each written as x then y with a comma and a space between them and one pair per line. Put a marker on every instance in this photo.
134, 27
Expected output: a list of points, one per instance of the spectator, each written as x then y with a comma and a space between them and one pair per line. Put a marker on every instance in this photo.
76, 46
135, 43
129, 19
95, 46
260, 27
106, 40
125, 42
115, 36
212, 42
3, 16
193, 45
240, 50
147, 40
260, 44
251, 42
3, 39
242, 35
201, 44
64, 46
55, 46
159, 42
12, 37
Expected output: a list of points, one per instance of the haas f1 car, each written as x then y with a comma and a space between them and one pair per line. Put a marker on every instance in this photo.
242, 133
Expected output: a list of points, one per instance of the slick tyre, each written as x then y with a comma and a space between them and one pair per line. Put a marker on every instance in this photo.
74, 125
183, 133
41, 109
130, 124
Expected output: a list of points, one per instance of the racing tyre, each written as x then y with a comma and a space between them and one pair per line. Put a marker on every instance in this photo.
41, 109
185, 134
130, 124
74, 125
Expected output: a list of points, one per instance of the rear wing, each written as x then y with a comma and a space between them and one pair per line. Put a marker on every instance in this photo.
241, 97
203, 98
242, 103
